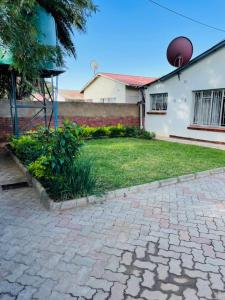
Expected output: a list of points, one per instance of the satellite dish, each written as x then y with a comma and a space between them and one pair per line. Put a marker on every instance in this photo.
179, 51
94, 66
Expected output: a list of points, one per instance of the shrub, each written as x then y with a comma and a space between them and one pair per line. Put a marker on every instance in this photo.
101, 132
62, 147
26, 148
40, 168
131, 131
117, 131
87, 132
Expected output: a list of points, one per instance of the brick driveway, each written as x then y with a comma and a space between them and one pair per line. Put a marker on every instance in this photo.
160, 244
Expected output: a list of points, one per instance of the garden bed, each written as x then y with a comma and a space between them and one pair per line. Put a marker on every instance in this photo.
56, 161
50, 204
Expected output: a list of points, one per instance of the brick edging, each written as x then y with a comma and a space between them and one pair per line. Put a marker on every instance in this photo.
49, 204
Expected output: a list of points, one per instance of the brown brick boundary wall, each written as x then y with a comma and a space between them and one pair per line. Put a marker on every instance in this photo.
86, 113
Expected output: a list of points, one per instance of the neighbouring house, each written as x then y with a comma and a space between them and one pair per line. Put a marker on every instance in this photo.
70, 95
190, 101
115, 88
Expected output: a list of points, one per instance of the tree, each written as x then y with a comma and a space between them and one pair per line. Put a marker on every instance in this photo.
18, 32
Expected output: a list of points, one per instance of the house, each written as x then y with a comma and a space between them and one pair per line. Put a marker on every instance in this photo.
190, 101
70, 95
115, 88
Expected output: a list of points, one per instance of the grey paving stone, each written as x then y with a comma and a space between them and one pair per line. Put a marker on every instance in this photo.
165, 243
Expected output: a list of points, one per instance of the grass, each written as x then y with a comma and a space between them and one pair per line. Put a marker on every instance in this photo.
123, 162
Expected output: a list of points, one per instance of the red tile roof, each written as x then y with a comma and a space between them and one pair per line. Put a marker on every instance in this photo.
130, 79
71, 94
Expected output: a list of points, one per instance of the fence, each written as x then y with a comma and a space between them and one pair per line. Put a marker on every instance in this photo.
83, 113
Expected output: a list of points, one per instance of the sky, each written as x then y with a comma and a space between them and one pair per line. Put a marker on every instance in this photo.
131, 37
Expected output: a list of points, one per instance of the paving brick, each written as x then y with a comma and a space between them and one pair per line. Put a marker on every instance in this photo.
101, 296
174, 266
117, 291
162, 272
133, 286
140, 252
169, 287
216, 281
165, 243
196, 274
190, 294
126, 258
144, 265
203, 288
187, 260
149, 279
154, 295
112, 276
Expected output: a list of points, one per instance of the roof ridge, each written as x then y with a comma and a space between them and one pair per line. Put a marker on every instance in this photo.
102, 73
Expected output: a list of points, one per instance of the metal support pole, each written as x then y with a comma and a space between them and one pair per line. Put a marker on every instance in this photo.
42, 83
55, 105
13, 106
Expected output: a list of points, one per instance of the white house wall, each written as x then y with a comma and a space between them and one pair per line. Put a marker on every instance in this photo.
105, 88
209, 73
132, 95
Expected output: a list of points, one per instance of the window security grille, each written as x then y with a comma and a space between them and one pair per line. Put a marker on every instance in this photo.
209, 108
158, 102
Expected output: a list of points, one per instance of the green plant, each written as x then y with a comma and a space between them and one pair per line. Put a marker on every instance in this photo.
63, 147
19, 33
81, 180
131, 131
86, 131
40, 168
116, 131
101, 132
27, 148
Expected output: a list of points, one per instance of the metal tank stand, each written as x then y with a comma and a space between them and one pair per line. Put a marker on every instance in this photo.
45, 104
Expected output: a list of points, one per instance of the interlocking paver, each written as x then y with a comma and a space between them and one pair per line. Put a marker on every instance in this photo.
133, 286
165, 243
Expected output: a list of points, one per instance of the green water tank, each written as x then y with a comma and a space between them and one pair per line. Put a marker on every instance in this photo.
47, 36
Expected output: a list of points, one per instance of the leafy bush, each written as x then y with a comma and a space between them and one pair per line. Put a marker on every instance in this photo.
62, 170
40, 168
115, 131
101, 132
63, 147
131, 131
27, 148
146, 134
87, 132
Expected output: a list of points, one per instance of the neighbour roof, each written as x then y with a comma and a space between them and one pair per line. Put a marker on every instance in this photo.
71, 94
129, 80
192, 62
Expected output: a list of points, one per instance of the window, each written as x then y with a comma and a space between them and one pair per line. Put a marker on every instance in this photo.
209, 108
158, 102
108, 100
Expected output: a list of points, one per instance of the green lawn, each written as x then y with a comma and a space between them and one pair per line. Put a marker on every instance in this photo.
123, 162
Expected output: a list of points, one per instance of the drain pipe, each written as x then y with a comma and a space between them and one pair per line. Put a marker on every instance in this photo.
142, 108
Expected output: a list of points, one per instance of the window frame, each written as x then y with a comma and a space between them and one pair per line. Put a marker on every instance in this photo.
164, 102
222, 108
